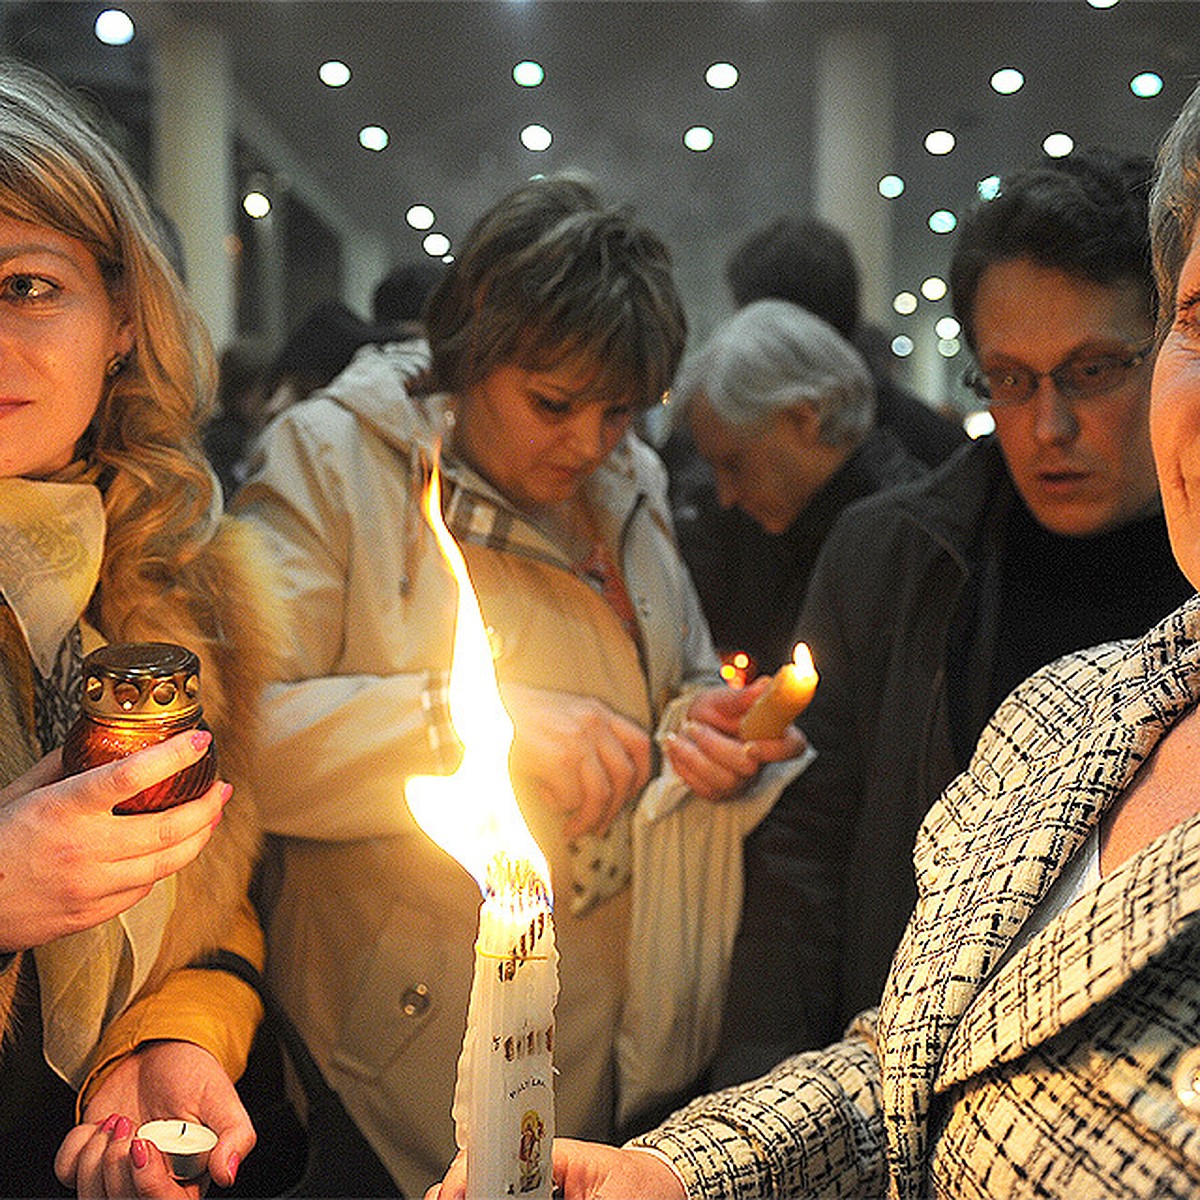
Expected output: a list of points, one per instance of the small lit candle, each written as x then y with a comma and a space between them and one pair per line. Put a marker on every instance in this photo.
186, 1145
736, 669
784, 699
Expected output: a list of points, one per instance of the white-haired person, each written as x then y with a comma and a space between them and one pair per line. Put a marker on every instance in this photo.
783, 408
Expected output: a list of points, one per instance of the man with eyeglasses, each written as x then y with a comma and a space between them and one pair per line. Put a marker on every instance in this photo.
930, 602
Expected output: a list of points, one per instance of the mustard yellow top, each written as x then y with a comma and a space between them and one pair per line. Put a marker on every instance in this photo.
213, 1009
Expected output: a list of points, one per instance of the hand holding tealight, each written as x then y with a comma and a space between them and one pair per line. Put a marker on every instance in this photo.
106, 1155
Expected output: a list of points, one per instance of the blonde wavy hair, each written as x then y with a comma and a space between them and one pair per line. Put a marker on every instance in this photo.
142, 447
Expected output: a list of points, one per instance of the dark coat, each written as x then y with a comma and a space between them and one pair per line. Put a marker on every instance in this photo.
906, 588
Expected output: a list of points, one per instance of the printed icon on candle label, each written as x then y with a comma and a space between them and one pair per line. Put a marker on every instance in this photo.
532, 1134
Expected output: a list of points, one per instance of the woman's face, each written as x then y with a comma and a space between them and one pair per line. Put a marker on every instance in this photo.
1175, 418
537, 435
59, 329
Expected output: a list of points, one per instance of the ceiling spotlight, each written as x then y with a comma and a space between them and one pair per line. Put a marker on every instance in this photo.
905, 303
698, 138
528, 73
1058, 145
934, 288
948, 347
373, 137
1146, 85
256, 204
939, 141
947, 328
942, 221
114, 27
891, 186
1007, 80
988, 188
420, 216
536, 138
902, 346
721, 75
333, 74
436, 245
979, 424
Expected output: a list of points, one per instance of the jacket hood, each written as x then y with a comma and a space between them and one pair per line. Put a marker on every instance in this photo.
374, 388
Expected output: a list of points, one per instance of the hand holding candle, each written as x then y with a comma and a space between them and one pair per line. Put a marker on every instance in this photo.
785, 698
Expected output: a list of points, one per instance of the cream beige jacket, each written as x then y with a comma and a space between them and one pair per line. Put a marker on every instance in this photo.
372, 927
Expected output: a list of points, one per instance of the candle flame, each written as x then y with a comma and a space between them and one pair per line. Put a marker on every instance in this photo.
802, 657
473, 814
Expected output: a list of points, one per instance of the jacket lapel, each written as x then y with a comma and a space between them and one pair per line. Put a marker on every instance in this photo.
1081, 958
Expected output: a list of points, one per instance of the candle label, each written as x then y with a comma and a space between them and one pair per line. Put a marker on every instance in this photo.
504, 1102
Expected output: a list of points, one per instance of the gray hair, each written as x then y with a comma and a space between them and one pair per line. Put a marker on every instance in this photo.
773, 355
1175, 205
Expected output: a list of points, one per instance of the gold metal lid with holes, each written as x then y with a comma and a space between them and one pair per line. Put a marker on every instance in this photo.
141, 681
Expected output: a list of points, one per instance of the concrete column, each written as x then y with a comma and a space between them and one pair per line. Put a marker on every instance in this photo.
194, 169
853, 131
854, 123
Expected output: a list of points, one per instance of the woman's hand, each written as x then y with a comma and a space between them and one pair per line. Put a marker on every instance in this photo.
67, 863
587, 1171
707, 752
587, 760
159, 1080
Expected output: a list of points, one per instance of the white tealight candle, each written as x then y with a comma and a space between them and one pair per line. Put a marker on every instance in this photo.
186, 1144
504, 1097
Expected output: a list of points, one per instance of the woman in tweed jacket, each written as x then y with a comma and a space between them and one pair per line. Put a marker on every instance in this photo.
1039, 1034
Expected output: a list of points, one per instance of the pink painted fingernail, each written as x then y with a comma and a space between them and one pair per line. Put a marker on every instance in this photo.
123, 1128
201, 738
226, 792
139, 1153
107, 1124
232, 1163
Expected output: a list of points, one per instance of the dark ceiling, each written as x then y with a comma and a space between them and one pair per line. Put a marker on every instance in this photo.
624, 79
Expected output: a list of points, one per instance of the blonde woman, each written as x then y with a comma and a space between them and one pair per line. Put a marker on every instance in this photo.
110, 530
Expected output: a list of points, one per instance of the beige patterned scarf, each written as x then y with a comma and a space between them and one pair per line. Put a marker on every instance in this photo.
51, 542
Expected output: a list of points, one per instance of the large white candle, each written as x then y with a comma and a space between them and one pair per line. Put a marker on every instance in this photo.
504, 1097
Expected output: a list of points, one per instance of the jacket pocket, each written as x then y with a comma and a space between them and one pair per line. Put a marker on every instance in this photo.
416, 982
